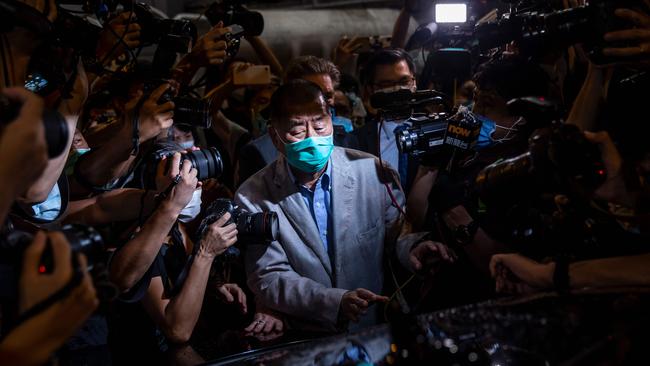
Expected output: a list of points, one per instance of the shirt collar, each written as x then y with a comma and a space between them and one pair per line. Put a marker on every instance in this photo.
325, 178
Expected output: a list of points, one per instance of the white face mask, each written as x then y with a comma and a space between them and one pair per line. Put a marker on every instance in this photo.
187, 144
192, 209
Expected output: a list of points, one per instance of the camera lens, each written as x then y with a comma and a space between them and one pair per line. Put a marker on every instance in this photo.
86, 240
56, 128
56, 132
263, 225
192, 112
207, 162
406, 141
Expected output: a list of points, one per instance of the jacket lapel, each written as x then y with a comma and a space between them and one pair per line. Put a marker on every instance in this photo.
294, 208
342, 195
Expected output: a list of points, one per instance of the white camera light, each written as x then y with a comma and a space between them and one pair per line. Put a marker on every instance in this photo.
451, 13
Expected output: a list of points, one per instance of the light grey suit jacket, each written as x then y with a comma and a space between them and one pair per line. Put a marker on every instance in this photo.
295, 275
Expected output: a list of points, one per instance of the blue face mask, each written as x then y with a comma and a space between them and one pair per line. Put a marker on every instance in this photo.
74, 155
488, 127
341, 121
187, 144
311, 154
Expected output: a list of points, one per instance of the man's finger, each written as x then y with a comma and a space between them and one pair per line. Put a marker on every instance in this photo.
222, 220
633, 16
415, 262
158, 92
226, 293
175, 165
624, 52
628, 35
61, 253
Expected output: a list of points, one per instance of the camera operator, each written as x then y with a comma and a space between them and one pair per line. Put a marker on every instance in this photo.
515, 273
387, 70
164, 271
333, 209
36, 337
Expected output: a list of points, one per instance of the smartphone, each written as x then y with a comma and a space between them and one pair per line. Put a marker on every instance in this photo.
36, 83
254, 75
451, 13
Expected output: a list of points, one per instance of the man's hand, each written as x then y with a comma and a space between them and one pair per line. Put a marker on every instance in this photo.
218, 237
355, 303
36, 286
639, 35
154, 117
613, 189
22, 143
230, 293
106, 48
345, 50
428, 255
182, 192
210, 49
266, 326
516, 274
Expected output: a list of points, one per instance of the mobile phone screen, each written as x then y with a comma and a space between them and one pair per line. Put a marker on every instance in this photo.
35, 83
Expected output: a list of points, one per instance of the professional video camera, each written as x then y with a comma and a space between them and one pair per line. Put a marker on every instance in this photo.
261, 226
188, 110
207, 163
431, 135
536, 31
56, 128
540, 202
83, 239
232, 12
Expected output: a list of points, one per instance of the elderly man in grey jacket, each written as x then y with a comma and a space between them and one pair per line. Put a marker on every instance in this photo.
339, 218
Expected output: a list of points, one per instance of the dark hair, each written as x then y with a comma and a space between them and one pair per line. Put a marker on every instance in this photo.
295, 92
386, 56
311, 65
512, 77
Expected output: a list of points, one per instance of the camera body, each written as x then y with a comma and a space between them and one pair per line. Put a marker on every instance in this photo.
538, 30
260, 226
232, 12
83, 239
188, 110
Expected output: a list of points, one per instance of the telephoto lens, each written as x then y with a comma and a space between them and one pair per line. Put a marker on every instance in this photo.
192, 112
207, 163
56, 128
261, 226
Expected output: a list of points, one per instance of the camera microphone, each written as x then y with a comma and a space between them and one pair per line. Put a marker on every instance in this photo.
404, 98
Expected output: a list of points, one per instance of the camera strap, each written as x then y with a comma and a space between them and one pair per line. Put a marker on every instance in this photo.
136, 127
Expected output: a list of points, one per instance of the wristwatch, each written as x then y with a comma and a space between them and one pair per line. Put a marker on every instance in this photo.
464, 234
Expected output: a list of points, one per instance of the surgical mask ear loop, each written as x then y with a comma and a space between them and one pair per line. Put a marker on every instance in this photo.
509, 129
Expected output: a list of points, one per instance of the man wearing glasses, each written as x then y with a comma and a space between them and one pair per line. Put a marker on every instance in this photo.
386, 71
336, 220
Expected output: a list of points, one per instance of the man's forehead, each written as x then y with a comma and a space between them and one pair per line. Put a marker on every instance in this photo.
305, 110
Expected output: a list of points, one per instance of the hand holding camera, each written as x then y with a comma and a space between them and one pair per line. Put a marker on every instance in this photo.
154, 117
638, 36
24, 137
218, 237
123, 29
184, 185
211, 48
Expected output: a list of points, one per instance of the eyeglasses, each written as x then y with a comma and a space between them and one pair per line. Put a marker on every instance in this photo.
406, 81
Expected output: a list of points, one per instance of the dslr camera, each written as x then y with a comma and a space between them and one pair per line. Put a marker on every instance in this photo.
188, 110
207, 162
83, 239
261, 226
536, 28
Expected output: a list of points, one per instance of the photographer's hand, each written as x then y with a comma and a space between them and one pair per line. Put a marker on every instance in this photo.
218, 238
230, 293
210, 49
428, 255
182, 192
639, 35
516, 274
345, 50
107, 49
154, 117
613, 189
33, 341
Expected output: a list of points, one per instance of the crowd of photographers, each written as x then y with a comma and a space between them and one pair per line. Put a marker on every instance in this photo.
197, 205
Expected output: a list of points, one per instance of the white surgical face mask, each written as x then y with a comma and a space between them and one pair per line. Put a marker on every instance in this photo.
187, 144
192, 209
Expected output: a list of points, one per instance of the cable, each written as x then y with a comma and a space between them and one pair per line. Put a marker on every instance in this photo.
392, 297
120, 38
